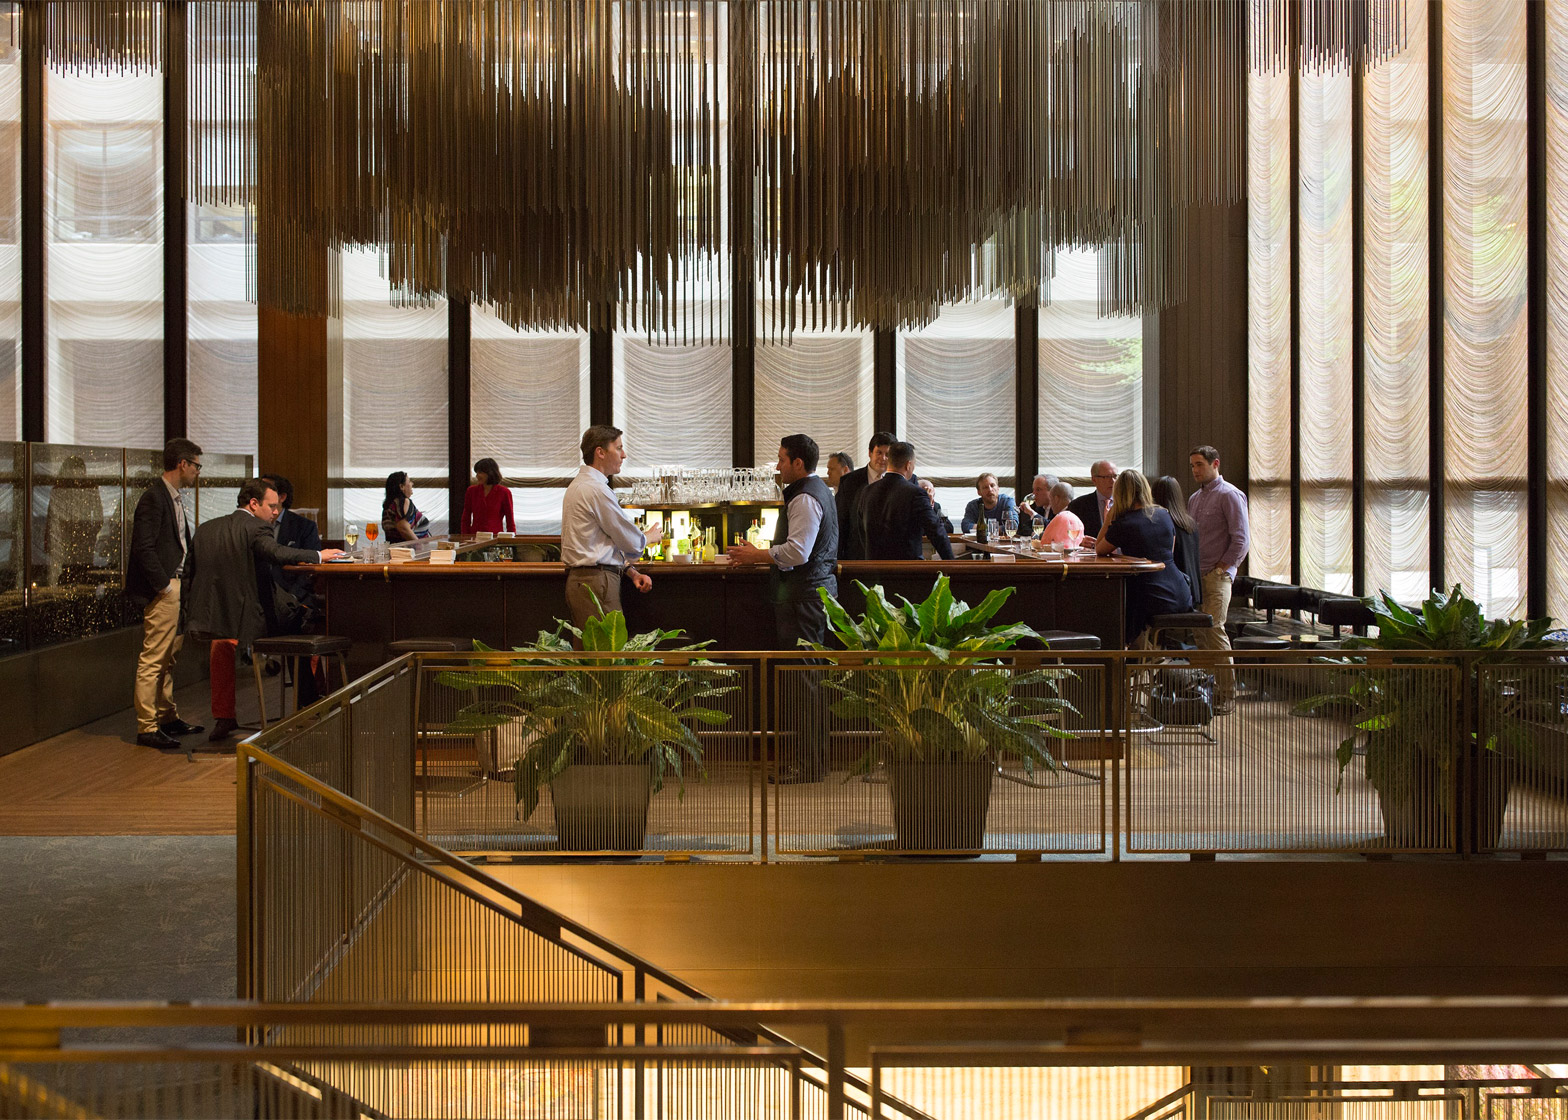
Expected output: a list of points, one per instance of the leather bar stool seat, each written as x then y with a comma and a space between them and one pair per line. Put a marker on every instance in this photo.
429, 645
1069, 639
293, 649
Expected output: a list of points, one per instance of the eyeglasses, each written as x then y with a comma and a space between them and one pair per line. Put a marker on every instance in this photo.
193, 463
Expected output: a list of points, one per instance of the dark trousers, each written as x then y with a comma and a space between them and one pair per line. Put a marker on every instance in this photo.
803, 718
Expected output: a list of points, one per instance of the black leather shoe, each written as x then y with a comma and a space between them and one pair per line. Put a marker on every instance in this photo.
178, 727
222, 729
158, 740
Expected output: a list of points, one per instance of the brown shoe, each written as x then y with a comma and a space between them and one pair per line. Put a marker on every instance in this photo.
222, 729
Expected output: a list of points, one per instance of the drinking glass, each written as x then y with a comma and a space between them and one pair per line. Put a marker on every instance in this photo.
350, 537
1009, 527
993, 531
372, 531
1037, 526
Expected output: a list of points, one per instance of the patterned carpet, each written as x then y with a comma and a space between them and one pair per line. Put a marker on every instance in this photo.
117, 917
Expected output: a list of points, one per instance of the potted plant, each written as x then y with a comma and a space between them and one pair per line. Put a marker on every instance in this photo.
601, 732
1410, 760
944, 726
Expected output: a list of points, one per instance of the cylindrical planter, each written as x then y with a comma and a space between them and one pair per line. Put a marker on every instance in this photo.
602, 808
1416, 809
940, 806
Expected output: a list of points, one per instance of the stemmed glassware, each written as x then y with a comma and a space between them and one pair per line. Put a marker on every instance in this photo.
350, 537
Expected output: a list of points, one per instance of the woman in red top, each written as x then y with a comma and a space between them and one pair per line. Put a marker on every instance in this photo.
487, 506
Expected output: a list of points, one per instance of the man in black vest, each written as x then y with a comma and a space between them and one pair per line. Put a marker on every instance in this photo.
802, 555
898, 513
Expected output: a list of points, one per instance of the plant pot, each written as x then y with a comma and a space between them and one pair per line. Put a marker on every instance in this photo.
940, 806
1416, 802
602, 808
1494, 776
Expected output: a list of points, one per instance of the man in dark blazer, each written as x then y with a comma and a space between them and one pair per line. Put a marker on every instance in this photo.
159, 565
225, 604
1091, 508
898, 513
851, 490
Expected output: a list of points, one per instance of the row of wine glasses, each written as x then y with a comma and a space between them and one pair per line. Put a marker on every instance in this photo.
682, 486
1006, 529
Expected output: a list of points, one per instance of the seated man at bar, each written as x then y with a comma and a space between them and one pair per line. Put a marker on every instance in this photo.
992, 504
599, 540
802, 555
851, 545
1092, 508
1038, 501
898, 513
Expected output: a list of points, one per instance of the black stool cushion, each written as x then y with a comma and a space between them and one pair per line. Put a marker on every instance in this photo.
1069, 639
303, 645
430, 645
1276, 597
1185, 620
1259, 641
1345, 612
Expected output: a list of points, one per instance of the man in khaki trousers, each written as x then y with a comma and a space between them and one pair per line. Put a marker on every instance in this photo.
159, 565
599, 540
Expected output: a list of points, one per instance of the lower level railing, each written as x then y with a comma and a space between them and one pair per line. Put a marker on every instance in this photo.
1094, 1060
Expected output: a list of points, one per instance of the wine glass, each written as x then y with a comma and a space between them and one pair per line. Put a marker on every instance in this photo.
1037, 526
350, 537
1010, 527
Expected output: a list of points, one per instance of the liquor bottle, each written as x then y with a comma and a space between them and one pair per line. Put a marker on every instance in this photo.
754, 534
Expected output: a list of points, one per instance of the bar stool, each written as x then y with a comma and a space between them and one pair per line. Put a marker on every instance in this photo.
1180, 620
292, 650
1069, 639
1249, 642
429, 645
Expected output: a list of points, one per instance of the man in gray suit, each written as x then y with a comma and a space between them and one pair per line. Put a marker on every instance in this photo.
225, 606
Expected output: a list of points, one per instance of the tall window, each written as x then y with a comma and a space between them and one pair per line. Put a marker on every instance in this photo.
673, 403
1268, 326
394, 395
103, 176
819, 383
1091, 377
955, 398
1397, 273
1327, 559
530, 406
221, 345
1485, 340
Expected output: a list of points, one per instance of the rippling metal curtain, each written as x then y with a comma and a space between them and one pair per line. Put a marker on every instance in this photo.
1485, 337
1327, 335
817, 382
1269, 266
1397, 280
1557, 322
10, 225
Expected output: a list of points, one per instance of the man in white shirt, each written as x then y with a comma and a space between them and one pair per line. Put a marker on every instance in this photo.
600, 541
803, 552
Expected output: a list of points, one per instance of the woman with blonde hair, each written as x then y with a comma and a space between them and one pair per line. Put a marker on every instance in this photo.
1144, 530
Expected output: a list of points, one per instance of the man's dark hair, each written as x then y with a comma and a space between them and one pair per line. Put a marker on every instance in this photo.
881, 439
600, 435
900, 455
254, 490
843, 460
1211, 454
489, 470
801, 447
178, 450
283, 486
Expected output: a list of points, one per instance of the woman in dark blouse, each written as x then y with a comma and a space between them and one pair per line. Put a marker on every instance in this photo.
1167, 493
400, 518
1142, 529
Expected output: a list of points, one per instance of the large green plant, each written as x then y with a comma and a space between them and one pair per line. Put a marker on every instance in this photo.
633, 709
1398, 712
966, 706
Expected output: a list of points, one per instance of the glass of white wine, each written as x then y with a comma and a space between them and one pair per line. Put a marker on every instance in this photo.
350, 538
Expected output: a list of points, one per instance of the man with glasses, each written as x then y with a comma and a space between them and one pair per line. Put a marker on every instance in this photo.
158, 566
1092, 508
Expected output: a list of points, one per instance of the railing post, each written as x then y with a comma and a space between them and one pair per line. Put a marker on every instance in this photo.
1116, 698
835, 1071
765, 675
245, 939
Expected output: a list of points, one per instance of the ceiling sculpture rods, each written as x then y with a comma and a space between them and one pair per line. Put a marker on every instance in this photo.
861, 161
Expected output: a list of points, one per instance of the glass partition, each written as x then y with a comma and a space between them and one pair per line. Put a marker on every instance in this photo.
65, 532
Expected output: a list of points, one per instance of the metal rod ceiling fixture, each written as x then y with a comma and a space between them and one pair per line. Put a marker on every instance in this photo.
539, 157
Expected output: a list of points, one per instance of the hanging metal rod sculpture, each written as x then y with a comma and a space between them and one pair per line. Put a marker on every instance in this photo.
861, 161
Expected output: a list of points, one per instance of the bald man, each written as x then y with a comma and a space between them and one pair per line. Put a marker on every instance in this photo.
1092, 508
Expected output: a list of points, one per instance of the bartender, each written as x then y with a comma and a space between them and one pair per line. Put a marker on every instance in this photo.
599, 540
804, 548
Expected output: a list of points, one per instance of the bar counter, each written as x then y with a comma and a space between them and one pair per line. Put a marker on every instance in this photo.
507, 603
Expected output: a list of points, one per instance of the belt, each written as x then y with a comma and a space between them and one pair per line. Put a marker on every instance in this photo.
618, 569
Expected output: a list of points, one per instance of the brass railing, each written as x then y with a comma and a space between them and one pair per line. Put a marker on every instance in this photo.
1089, 1059
1441, 755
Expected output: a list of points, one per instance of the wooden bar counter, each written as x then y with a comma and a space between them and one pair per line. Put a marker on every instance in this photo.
505, 603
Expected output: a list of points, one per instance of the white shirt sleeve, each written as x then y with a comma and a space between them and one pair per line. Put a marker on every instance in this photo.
617, 524
805, 520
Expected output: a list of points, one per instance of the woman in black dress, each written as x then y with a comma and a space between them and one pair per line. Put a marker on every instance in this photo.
1142, 529
1167, 493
